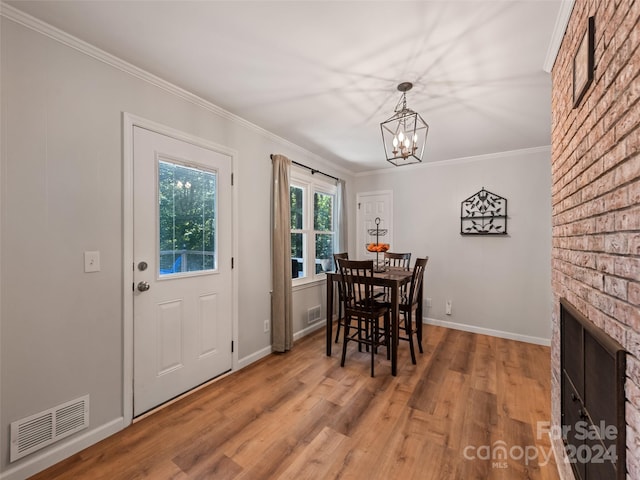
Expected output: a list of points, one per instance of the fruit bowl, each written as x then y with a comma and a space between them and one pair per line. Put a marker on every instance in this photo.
377, 247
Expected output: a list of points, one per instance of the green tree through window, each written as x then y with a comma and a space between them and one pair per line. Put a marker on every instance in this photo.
297, 235
323, 222
187, 208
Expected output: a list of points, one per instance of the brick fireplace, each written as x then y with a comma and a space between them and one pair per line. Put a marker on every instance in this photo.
592, 380
596, 196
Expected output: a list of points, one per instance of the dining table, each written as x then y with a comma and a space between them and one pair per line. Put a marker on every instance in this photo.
393, 279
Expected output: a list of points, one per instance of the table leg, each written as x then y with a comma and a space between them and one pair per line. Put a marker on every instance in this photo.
329, 312
395, 320
419, 317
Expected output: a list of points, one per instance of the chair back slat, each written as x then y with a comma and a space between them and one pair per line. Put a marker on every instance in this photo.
399, 260
416, 280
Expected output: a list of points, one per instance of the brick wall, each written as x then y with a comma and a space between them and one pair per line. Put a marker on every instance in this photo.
596, 193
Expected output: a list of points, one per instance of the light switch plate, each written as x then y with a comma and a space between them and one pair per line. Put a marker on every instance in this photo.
91, 262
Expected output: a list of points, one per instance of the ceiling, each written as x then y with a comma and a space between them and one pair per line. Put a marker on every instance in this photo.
323, 74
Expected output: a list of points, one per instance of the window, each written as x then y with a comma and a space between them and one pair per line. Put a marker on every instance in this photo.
187, 220
312, 226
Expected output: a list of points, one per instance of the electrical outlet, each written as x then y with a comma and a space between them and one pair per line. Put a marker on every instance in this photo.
267, 326
91, 262
428, 302
447, 307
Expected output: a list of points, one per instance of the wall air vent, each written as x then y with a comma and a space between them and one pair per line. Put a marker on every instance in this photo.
313, 314
37, 431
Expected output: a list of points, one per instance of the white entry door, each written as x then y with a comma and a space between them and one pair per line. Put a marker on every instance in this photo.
182, 289
372, 206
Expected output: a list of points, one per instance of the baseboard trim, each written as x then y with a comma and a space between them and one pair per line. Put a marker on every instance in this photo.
488, 331
254, 357
55, 453
310, 329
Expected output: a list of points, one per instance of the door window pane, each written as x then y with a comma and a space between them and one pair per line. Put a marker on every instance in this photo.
187, 219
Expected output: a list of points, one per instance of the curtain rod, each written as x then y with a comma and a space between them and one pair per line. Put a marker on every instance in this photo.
313, 170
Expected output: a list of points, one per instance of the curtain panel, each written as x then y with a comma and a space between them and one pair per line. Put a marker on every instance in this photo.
281, 305
342, 244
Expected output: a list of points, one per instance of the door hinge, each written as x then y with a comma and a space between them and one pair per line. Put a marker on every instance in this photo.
232, 179
231, 346
358, 205
133, 287
231, 263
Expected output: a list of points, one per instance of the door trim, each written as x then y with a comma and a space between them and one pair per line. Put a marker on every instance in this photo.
128, 122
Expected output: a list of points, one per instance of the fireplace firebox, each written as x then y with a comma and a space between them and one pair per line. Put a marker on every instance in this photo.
592, 403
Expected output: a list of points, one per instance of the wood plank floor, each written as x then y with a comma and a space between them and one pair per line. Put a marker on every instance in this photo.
301, 416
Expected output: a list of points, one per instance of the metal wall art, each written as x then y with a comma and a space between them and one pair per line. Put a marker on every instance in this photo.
483, 213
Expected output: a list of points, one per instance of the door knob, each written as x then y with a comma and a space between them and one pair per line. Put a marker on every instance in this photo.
143, 286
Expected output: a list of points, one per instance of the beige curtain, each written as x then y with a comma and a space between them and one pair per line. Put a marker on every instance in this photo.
281, 322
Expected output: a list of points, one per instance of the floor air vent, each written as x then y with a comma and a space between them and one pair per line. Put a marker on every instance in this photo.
44, 428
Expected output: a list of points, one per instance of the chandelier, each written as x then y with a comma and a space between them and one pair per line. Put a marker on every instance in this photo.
405, 133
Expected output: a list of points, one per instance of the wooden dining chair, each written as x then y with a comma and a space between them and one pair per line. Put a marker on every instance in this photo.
398, 260
362, 312
394, 260
407, 327
336, 257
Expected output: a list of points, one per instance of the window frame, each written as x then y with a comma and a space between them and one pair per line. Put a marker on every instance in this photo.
312, 184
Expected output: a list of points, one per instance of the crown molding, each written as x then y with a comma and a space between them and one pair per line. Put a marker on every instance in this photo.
457, 161
562, 20
65, 38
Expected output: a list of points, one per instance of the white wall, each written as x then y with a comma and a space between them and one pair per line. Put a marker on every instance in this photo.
498, 284
61, 194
